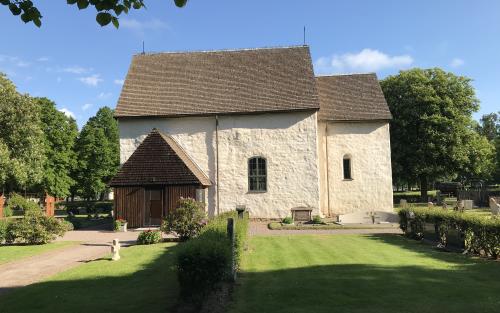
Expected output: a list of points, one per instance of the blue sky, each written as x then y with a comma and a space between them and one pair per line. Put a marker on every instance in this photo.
81, 66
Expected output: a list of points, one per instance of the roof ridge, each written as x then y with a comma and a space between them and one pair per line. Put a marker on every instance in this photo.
346, 74
222, 50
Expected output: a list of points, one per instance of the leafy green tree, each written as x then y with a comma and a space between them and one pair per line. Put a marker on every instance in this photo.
107, 10
489, 126
432, 133
97, 151
21, 138
60, 134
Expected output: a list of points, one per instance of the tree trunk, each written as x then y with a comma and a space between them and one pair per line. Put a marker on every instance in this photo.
423, 188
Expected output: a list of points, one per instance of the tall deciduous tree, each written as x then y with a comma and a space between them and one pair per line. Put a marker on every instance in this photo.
432, 134
97, 149
489, 126
108, 11
21, 138
60, 134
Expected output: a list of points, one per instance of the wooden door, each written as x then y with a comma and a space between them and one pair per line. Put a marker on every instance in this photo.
174, 193
154, 206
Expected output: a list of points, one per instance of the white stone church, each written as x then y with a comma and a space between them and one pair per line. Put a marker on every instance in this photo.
253, 128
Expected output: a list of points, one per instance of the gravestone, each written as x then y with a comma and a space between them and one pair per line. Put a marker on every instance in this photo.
430, 204
494, 206
403, 203
468, 204
115, 249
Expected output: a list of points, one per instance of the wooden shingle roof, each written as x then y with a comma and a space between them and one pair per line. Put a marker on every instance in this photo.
354, 97
219, 82
159, 160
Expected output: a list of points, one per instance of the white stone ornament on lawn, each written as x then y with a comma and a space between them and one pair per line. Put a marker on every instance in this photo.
115, 249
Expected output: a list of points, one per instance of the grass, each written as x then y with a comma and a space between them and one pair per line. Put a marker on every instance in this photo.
17, 252
144, 280
414, 193
361, 273
281, 226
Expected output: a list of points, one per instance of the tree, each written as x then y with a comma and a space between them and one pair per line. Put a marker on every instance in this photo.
21, 138
489, 126
107, 10
60, 133
432, 134
97, 148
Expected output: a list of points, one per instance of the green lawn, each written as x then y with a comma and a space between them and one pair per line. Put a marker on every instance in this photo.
14, 253
362, 274
144, 280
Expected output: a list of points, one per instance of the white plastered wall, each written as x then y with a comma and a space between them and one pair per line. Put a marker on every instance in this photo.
288, 141
368, 144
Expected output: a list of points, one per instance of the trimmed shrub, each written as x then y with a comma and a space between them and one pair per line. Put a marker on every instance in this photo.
3, 230
317, 219
287, 220
187, 220
149, 237
35, 228
480, 235
206, 260
7, 212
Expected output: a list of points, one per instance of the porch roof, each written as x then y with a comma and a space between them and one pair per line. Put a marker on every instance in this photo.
159, 160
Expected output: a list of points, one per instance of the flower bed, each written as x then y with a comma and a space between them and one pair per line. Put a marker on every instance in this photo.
476, 234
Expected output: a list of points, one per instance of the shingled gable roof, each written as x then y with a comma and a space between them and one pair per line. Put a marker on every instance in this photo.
354, 97
219, 82
159, 160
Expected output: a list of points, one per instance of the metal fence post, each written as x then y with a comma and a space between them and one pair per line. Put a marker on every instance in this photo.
231, 236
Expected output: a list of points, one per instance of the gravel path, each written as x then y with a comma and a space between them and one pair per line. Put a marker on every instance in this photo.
260, 229
95, 244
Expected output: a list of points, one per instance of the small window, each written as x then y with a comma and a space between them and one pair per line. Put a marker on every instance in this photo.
347, 167
257, 174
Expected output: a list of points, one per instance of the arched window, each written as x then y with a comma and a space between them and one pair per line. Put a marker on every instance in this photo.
257, 174
347, 167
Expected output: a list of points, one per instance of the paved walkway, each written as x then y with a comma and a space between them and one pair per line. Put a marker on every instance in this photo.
95, 244
261, 229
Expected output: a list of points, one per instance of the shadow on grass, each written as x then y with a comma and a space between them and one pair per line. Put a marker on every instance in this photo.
463, 285
147, 287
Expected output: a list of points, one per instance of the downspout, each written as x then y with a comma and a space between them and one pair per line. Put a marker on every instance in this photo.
327, 171
217, 163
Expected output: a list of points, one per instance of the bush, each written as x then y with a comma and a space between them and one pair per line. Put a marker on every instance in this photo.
149, 237
17, 202
35, 228
187, 220
3, 230
317, 219
287, 220
481, 235
7, 212
205, 261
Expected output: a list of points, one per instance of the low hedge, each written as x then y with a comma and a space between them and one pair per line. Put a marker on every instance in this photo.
149, 237
481, 235
3, 229
205, 261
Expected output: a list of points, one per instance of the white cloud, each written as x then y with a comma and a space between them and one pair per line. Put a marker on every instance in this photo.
59, 79
92, 80
68, 113
76, 70
367, 60
104, 95
87, 106
17, 61
457, 62
142, 26
119, 81
42, 59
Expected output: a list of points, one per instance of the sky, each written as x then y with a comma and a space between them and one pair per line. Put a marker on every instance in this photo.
81, 65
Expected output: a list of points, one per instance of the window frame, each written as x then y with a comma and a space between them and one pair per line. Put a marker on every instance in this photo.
258, 176
349, 159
